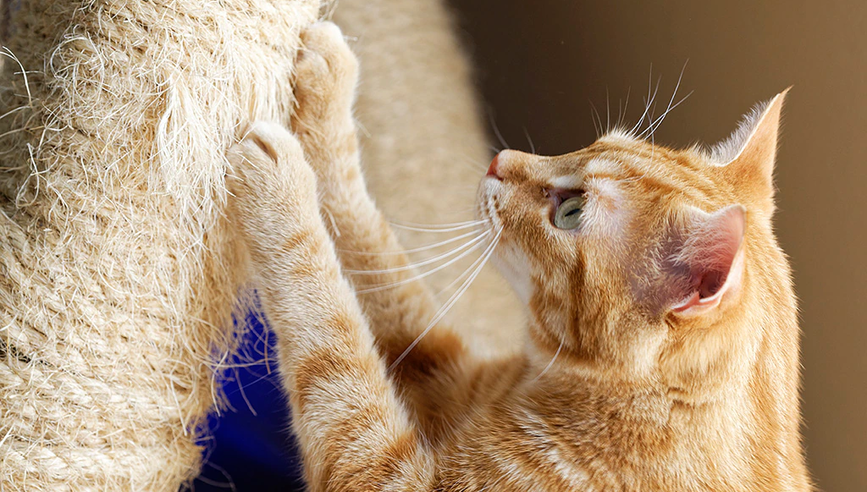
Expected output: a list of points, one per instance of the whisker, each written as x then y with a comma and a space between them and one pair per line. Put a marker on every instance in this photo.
448, 224
472, 164
497, 131
649, 101
457, 226
530, 141
655, 124
625, 107
420, 276
647, 98
442, 243
458, 279
619, 112
423, 262
594, 115
557, 353
452, 300
653, 101
464, 211
413, 250
684, 98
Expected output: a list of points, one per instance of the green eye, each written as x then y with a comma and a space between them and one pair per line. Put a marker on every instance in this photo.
568, 214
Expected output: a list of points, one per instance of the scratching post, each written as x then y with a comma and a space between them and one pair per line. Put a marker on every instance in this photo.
117, 273
424, 145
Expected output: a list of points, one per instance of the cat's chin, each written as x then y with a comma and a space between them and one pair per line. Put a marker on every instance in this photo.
512, 265
508, 260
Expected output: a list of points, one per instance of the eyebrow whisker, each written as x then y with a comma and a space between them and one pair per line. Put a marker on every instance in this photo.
652, 127
648, 101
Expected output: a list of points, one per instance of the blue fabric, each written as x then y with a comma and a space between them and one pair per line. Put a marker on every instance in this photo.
250, 447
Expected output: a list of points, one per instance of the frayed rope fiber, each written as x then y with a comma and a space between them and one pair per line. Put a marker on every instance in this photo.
118, 274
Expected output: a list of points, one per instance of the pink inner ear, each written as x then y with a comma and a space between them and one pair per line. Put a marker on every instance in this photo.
711, 256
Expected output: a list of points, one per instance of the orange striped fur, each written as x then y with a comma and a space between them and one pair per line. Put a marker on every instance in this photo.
620, 387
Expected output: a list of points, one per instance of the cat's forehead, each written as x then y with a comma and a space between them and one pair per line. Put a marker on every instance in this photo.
619, 158
574, 174
647, 170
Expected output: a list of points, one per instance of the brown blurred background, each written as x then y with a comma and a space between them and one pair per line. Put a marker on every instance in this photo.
541, 63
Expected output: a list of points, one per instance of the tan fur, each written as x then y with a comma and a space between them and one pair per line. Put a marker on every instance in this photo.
616, 389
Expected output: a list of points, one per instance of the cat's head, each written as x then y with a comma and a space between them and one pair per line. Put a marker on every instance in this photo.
642, 262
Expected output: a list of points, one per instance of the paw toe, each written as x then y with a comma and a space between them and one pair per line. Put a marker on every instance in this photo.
272, 139
322, 35
267, 152
323, 42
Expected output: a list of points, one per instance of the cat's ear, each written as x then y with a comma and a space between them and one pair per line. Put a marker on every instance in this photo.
747, 157
707, 261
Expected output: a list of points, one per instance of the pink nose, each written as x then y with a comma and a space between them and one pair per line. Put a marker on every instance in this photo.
492, 170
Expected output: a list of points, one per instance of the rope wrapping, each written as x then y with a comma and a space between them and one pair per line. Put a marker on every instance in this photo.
118, 274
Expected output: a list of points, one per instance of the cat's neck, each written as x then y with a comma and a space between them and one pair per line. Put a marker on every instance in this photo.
744, 433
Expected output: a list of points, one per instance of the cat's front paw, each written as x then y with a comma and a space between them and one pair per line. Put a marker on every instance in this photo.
326, 76
269, 179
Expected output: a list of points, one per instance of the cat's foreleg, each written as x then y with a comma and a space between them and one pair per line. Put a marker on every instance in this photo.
400, 309
353, 432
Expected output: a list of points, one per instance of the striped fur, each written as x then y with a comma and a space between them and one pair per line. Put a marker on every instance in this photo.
616, 390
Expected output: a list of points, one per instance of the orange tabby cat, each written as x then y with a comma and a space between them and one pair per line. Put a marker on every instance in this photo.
662, 346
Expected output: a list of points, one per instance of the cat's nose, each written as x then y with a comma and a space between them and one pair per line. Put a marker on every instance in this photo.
492, 169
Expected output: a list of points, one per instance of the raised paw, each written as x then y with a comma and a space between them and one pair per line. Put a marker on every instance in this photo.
269, 178
326, 75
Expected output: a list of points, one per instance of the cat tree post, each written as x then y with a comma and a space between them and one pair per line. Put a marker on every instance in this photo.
117, 276
424, 141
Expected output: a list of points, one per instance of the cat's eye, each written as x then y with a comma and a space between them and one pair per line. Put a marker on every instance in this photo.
568, 214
